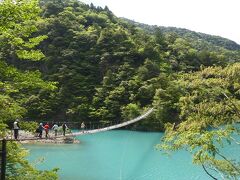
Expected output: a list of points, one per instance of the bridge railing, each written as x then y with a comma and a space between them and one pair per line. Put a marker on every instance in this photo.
89, 125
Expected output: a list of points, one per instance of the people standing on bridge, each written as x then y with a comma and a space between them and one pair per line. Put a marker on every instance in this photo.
16, 128
46, 127
40, 130
64, 127
55, 128
82, 126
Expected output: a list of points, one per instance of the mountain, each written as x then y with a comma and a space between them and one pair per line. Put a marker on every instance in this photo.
81, 63
200, 38
108, 69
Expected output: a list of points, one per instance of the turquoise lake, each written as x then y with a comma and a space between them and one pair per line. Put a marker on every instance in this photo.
119, 155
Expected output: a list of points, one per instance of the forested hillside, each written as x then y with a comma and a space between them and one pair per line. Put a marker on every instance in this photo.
107, 69
212, 42
78, 62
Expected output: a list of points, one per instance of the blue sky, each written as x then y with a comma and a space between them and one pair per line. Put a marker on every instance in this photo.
216, 17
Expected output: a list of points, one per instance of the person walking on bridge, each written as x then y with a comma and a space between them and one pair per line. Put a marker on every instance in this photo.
40, 130
83, 126
46, 127
64, 127
16, 128
55, 128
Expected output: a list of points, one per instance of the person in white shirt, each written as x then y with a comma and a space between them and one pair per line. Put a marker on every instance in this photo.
83, 127
16, 128
55, 128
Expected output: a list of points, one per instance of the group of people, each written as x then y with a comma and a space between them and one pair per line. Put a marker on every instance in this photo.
46, 128
41, 128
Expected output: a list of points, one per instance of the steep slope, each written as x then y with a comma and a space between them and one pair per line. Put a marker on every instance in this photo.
212, 41
108, 69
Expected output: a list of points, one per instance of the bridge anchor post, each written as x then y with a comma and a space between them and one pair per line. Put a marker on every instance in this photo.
3, 159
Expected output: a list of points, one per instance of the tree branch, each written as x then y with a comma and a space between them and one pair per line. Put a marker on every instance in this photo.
214, 169
234, 105
208, 172
237, 169
235, 140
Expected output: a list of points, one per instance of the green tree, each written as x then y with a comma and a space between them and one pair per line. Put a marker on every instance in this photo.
208, 109
16, 28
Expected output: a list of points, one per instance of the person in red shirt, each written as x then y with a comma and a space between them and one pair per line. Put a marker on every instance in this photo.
46, 127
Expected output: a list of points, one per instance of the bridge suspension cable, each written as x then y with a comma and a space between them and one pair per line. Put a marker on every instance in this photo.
113, 126
116, 126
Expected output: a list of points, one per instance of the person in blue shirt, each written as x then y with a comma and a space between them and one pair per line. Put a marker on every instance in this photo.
40, 130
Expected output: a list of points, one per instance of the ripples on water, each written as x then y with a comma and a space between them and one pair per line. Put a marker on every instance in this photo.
119, 155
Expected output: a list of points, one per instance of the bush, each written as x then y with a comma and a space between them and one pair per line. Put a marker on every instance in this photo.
28, 126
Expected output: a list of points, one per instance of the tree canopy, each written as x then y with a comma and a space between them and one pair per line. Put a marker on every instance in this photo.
63, 60
17, 86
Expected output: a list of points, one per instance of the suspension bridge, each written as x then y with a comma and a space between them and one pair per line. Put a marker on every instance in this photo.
3, 150
93, 131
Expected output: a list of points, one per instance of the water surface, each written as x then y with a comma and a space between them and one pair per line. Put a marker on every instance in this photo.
119, 155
